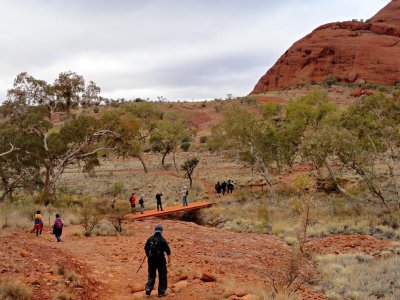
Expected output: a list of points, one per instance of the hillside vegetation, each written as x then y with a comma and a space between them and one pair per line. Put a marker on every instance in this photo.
326, 170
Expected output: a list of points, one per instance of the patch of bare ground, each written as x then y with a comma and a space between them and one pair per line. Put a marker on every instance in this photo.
44, 265
339, 244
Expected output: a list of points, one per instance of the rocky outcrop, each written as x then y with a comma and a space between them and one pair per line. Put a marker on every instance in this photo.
343, 51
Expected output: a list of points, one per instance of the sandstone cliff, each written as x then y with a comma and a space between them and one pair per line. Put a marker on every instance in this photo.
347, 51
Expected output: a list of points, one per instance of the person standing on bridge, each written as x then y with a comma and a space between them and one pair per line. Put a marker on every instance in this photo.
141, 202
155, 248
158, 199
185, 194
132, 201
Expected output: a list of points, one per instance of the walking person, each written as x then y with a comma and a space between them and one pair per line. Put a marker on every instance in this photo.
58, 227
38, 223
155, 248
159, 203
141, 202
132, 201
185, 194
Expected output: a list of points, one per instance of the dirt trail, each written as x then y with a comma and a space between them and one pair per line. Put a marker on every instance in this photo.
107, 265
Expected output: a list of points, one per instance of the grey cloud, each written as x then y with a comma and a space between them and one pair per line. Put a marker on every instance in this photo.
178, 48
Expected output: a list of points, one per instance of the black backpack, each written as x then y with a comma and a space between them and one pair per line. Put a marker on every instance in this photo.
155, 246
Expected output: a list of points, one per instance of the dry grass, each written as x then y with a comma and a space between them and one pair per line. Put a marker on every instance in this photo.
359, 276
255, 291
11, 289
63, 296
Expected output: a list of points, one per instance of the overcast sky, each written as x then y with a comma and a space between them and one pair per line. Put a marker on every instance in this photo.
178, 49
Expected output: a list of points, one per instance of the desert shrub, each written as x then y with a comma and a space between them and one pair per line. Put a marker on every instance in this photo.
203, 139
43, 198
5, 211
59, 270
359, 276
293, 273
117, 214
68, 200
330, 80
296, 205
285, 190
91, 216
104, 229
73, 277
185, 146
117, 189
250, 101
11, 289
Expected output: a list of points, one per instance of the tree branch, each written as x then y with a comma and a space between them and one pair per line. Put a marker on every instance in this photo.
9, 151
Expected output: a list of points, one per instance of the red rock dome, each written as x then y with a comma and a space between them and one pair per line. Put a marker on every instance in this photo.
347, 51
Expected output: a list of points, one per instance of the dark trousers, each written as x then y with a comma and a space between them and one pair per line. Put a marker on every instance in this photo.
159, 265
159, 205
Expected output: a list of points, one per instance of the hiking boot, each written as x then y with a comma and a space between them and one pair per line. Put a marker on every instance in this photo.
162, 295
148, 293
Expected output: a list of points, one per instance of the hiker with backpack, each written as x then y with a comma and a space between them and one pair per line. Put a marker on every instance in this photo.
38, 223
158, 199
155, 248
185, 194
132, 201
141, 202
58, 227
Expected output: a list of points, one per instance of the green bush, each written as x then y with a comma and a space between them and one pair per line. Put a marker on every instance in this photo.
185, 146
203, 139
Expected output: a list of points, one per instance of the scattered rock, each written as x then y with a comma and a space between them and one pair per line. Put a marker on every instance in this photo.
240, 292
180, 285
32, 280
249, 297
208, 277
182, 277
136, 287
24, 253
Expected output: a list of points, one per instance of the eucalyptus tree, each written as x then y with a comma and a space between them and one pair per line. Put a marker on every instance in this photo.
168, 135
260, 141
42, 145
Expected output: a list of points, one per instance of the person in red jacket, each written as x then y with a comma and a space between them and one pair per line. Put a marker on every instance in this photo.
132, 201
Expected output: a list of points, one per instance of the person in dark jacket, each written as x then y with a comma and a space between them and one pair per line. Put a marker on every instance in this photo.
155, 248
218, 189
159, 203
58, 227
223, 187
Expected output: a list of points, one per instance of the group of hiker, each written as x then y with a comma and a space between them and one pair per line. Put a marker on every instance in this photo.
132, 200
39, 225
224, 187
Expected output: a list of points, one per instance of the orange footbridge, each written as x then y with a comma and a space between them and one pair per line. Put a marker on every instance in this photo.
170, 210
